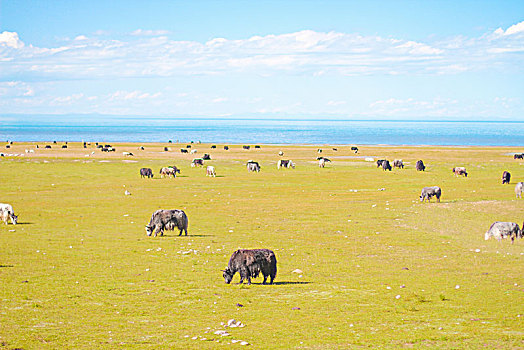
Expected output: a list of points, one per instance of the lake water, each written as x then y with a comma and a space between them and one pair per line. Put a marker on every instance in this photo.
274, 132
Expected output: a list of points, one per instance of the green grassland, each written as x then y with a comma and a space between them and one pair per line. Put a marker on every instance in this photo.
379, 268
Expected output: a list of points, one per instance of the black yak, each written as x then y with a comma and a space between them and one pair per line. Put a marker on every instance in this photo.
249, 263
506, 177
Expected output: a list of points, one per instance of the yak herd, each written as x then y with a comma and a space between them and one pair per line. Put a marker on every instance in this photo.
250, 263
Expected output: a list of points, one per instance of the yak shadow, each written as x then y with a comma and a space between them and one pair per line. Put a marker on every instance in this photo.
185, 236
7, 266
25, 223
278, 283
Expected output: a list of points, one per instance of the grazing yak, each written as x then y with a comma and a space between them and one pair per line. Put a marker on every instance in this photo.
500, 230
355, 149
460, 171
169, 171
420, 166
146, 172
167, 219
7, 212
197, 162
398, 163
322, 161
246, 147
210, 171
518, 156
249, 263
252, 166
428, 192
206, 156
379, 162
506, 176
386, 165
285, 164
183, 150
226, 148
518, 191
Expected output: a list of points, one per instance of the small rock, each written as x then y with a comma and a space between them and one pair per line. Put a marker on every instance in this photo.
244, 343
297, 271
397, 297
457, 286
240, 305
295, 308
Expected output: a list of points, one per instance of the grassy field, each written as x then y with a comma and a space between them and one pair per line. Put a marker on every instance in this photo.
379, 268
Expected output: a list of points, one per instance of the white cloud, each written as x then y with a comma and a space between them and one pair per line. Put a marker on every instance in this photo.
150, 53
142, 32
10, 39
514, 29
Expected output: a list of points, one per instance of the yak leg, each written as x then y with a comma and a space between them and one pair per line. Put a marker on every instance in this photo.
265, 279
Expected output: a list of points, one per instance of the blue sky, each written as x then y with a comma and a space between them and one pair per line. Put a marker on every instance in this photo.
293, 59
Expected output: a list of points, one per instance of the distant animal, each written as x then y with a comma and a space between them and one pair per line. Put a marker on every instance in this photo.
206, 157
183, 150
127, 154
213, 146
280, 153
386, 165
335, 149
193, 151
141, 148
500, 230
7, 212
460, 171
197, 162
167, 219
246, 147
257, 146
322, 162
188, 146
226, 148
420, 166
47, 146
506, 176
398, 163
428, 192
518, 192
146, 172
252, 166
518, 156
355, 149
285, 164
319, 150
8, 146
249, 263
166, 149
210, 171
64, 146
379, 162
169, 171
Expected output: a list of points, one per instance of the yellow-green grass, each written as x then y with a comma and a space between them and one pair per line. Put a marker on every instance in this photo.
79, 272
